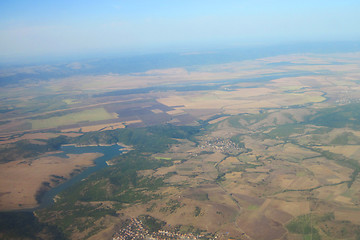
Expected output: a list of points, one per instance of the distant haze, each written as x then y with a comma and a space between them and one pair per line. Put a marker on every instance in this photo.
34, 29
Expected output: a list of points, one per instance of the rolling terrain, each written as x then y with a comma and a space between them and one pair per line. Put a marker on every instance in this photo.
217, 150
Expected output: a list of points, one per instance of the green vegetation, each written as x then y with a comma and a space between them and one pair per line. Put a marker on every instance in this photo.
330, 216
24, 225
151, 208
206, 152
200, 196
151, 224
186, 229
220, 177
237, 139
170, 174
140, 138
120, 182
253, 207
301, 174
26, 149
171, 206
321, 130
234, 121
309, 225
197, 211
163, 158
346, 138
41, 104
338, 117
284, 131
143, 139
153, 139
177, 132
78, 217
304, 225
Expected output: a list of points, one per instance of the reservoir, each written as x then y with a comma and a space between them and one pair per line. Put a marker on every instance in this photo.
108, 152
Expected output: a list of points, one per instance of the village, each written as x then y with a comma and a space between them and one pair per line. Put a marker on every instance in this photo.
136, 230
220, 144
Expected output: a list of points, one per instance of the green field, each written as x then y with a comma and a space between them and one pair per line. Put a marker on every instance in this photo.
162, 158
96, 114
70, 101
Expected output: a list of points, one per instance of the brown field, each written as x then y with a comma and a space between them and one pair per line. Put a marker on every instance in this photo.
351, 214
326, 171
330, 193
20, 180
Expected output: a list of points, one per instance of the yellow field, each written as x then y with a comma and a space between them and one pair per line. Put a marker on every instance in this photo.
176, 112
90, 115
157, 111
217, 120
350, 151
242, 100
70, 101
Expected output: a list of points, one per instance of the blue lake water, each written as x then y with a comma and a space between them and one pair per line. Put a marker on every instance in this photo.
108, 152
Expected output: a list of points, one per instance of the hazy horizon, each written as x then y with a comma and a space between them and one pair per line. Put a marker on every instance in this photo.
58, 29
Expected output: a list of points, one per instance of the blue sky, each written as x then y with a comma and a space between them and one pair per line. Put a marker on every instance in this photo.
35, 28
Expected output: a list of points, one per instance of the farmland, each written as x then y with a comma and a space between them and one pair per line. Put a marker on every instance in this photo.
92, 115
222, 149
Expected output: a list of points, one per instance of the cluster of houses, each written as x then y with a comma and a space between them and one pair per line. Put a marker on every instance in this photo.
136, 231
220, 144
170, 235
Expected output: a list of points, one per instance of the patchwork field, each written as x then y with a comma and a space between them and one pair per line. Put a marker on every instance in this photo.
258, 149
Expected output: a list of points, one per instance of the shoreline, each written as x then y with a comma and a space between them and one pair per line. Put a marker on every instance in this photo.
48, 172
20, 191
124, 147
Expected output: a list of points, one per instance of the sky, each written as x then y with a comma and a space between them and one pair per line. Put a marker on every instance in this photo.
42, 28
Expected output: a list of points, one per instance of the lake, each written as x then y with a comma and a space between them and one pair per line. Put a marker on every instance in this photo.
108, 152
